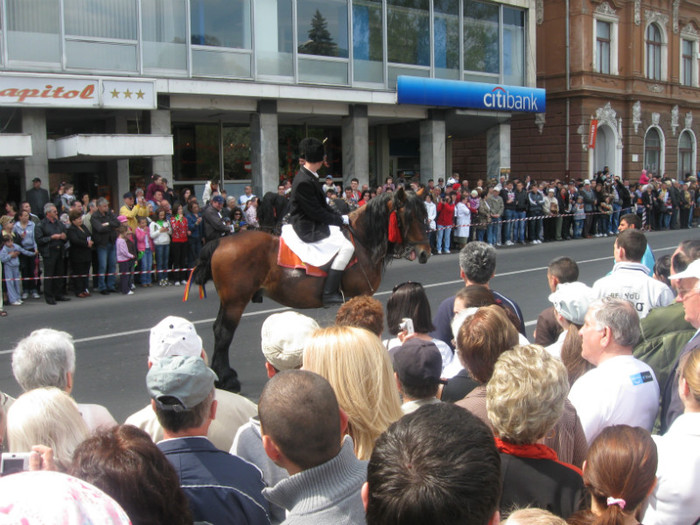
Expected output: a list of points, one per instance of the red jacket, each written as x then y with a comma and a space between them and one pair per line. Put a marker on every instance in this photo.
179, 228
445, 214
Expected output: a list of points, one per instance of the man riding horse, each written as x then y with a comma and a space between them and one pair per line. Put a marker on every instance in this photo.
315, 233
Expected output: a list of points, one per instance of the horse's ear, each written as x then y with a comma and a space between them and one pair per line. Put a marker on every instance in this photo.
400, 195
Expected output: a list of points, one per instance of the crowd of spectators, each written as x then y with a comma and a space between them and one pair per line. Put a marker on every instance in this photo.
457, 418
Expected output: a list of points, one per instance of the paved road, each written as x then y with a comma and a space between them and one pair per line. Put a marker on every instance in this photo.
111, 332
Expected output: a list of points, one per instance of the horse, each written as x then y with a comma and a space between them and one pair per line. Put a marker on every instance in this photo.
244, 267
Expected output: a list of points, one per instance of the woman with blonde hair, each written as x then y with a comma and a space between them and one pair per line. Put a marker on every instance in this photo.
358, 367
46, 416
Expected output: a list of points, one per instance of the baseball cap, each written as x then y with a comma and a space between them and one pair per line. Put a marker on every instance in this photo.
692, 271
187, 379
571, 301
36, 179
174, 336
283, 337
550, 190
329, 177
128, 195
418, 362
586, 181
122, 219
217, 198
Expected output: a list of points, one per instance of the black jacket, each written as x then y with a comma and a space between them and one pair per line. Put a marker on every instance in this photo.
309, 214
521, 200
104, 235
48, 246
214, 225
37, 198
79, 251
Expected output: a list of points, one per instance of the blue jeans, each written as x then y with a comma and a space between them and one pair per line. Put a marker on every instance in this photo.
578, 228
615, 217
443, 232
146, 265
519, 234
666, 221
106, 263
494, 229
480, 235
508, 215
162, 256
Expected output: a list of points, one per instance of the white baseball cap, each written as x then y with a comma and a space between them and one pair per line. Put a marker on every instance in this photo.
174, 336
283, 337
571, 301
692, 271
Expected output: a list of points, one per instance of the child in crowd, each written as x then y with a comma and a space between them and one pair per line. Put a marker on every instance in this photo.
124, 259
579, 217
67, 197
9, 255
144, 247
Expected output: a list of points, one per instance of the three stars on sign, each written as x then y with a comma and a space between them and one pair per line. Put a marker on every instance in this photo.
127, 94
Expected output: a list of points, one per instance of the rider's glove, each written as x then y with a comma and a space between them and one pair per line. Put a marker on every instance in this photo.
346, 221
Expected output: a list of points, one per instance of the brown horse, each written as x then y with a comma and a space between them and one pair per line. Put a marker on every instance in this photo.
244, 267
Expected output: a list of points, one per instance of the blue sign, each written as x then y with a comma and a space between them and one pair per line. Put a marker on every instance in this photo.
476, 95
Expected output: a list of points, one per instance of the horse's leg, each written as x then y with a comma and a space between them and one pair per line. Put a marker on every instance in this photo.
224, 328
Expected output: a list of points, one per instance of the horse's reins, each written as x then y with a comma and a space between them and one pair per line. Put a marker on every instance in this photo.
353, 234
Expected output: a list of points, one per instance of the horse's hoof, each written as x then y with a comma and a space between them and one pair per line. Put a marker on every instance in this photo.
229, 382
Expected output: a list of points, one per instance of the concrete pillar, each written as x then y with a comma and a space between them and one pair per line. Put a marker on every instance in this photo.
432, 147
34, 123
118, 170
264, 148
497, 149
383, 156
160, 125
355, 136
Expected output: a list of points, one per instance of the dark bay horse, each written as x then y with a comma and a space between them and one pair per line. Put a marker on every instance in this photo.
244, 267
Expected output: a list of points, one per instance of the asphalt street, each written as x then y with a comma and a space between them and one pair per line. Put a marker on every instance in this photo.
111, 332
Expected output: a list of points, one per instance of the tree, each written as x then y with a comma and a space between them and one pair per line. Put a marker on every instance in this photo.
320, 41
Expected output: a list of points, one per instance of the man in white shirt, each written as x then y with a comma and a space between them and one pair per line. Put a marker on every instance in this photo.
243, 199
629, 279
621, 390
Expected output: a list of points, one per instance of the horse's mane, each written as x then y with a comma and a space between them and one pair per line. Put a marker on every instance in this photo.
372, 224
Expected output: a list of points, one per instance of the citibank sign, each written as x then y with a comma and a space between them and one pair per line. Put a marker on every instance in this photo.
475, 95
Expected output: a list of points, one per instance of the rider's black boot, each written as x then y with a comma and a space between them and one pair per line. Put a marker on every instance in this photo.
331, 289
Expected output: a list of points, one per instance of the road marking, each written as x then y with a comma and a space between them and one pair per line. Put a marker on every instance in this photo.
282, 309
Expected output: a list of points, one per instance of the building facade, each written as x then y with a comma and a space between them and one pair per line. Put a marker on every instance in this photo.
103, 93
622, 90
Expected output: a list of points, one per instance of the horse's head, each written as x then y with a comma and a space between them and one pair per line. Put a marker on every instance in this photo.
411, 215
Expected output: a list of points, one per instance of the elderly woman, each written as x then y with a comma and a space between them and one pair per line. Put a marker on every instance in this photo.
524, 400
675, 497
356, 364
46, 416
80, 253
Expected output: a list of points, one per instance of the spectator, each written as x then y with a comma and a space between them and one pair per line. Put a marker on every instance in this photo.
431, 211
179, 245
214, 225
46, 416
619, 474
325, 477
160, 233
251, 213
238, 222
534, 213
104, 234
51, 240
9, 255
46, 358
133, 211
176, 336
445, 220
417, 368
127, 465
80, 253
629, 279
125, 260
283, 337
524, 399
674, 499
533, 516
495, 204
436, 465
477, 265
362, 311
210, 188
195, 230
621, 389
247, 195
53, 497
560, 270
37, 197
156, 185
409, 301
462, 220
144, 246
25, 231
221, 488
633, 222
358, 367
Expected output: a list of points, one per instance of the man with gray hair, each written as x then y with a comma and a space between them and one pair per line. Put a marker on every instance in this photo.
621, 390
221, 488
46, 358
477, 265
104, 234
50, 237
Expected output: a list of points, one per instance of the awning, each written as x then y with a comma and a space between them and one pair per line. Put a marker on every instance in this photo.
15, 145
110, 146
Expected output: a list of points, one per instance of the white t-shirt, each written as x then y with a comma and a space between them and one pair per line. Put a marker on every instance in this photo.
621, 391
630, 281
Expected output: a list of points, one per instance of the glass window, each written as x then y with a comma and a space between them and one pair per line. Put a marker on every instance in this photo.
513, 45
33, 30
652, 151
103, 19
602, 30
322, 27
367, 41
408, 31
273, 50
164, 34
481, 37
236, 152
685, 155
220, 23
446, 38
653, 52
687, 63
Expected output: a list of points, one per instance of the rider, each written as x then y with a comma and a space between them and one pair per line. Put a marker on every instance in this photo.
315, 222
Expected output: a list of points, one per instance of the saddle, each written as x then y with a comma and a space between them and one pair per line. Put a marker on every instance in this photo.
288, 259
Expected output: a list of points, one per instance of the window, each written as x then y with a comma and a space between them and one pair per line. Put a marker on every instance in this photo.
115, 19
164, 34
368, 42
513, 45
689, 67
322, 28
652, 151
481, 41
33, 28
654, 47
408, 31
602, 47
446, 37
686, 144
274, 49
220, 23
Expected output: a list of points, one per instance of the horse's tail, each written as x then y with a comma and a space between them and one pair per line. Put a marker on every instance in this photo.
202, 270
